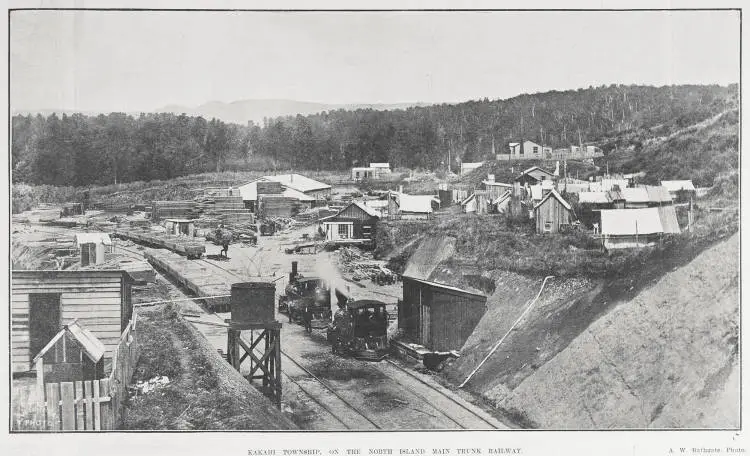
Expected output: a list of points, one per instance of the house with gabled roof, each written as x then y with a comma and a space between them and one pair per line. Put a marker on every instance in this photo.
534, 175
552, 212
355, 221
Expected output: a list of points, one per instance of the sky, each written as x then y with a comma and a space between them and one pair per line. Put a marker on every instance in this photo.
140, 61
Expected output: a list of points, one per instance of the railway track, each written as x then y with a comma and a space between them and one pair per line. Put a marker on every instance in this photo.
349, 424
455, 404
461, 414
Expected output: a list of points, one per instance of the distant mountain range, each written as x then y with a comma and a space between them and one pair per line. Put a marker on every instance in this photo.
244, 110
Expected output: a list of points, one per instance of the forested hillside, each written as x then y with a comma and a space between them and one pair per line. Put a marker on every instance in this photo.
82, 150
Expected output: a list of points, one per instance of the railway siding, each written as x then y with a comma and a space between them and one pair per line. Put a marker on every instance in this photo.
196, 276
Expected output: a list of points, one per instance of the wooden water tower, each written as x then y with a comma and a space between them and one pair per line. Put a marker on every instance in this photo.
252, 307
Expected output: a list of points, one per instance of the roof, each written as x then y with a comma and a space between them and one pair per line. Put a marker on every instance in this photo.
471, 164
92, 238
624, 222
177, 220
496, 184
249, 191
677, 185
367, 210
415, 203
553, 193
527, 171
658, 194
668, 218
90, 345
380, 165
298, 182
376, 203
468, 199
513, 144
365, 303
429, 254
593, 198
635, 195
502, 197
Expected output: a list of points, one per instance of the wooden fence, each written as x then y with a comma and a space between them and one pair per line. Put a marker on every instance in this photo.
91, 405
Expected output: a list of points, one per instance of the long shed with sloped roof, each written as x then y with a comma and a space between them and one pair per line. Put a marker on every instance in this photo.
437, 313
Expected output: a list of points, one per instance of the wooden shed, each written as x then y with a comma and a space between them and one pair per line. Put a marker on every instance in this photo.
355, 221
41, 301
551, 213
74, 354
433, 312
93, 247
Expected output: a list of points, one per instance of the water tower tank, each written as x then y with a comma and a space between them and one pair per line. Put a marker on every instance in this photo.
253, 302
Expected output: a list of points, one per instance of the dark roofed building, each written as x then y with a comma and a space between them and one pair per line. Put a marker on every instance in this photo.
534, 175
437, 312
355, 221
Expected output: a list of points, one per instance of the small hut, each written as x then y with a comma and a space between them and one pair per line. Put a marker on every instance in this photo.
74, 354
93, 247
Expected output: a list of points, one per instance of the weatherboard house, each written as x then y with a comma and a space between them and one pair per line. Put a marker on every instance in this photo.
534, 175
355, 221
440, 309
528, 150
552, 213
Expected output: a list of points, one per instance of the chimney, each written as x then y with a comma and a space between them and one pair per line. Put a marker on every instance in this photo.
401, 189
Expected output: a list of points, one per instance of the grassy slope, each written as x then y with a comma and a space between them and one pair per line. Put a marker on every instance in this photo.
205, 393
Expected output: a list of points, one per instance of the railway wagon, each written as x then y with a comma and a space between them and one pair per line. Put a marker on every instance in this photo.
178, 244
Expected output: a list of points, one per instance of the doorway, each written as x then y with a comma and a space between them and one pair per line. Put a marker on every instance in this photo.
44, 319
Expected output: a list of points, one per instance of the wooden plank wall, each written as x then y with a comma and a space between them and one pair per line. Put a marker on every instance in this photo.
94, 300
453, 317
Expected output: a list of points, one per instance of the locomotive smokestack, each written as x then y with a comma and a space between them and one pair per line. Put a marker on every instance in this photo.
293, 274
341, 297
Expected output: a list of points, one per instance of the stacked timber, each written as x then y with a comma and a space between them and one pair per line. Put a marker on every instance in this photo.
226, 209
180, 244
273, 206
196, 277
173, 209
269, 188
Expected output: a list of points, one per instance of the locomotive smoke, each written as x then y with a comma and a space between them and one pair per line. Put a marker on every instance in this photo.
325, 269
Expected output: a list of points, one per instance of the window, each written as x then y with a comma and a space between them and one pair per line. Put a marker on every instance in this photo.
547, 227
536, 150
343, 231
